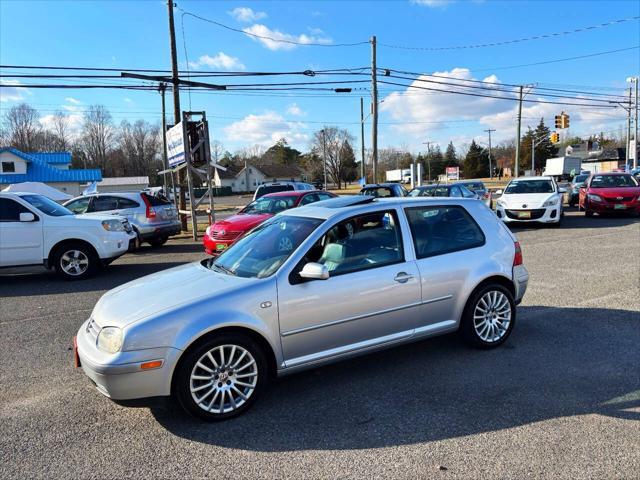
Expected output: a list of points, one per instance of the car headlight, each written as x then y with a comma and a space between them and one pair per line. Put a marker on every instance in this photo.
208, 231
110, 339
551, 202
114, 225
594, 198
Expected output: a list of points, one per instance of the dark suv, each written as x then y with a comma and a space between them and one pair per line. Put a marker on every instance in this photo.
383, 190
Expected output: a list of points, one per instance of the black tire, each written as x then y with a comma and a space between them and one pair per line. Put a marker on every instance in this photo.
588, 213
182, 383
158, 242
468, 329
66, 251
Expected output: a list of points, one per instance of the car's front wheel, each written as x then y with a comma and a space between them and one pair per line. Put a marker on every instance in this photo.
75, 261
158, 242
489, 316
222, 377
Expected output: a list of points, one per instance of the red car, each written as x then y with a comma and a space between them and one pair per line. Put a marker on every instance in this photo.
608, 193
222, 234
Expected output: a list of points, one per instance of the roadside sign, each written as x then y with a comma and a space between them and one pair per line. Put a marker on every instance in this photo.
175, 145
453, 173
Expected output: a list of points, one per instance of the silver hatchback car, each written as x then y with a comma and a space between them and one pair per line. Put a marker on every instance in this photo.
153, 218
354, 275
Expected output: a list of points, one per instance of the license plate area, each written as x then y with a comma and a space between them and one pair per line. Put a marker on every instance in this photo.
221, 246
525, 214
619, 206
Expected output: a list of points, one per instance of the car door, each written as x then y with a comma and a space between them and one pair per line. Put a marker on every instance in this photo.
126, 207
447, 243
371, 296
21, 243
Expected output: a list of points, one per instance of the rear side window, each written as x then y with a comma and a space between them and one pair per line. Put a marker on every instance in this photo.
10, 210
126, 203
264, 190
79, 206
104, 204
155, 201
437, 230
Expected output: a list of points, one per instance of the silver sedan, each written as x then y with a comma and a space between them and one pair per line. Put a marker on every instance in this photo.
312, 285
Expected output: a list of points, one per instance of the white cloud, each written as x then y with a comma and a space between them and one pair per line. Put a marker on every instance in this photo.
264, 31
245, 14
75, 101
294, 109
221, 60
10, 91
266, 129
432, 3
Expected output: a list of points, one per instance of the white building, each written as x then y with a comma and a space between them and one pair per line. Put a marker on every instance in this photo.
247, 179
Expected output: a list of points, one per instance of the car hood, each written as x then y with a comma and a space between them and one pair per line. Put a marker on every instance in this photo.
616, 192
531, 200
161, 292
242, 221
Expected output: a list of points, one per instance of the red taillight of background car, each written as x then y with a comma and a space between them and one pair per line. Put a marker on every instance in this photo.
149, 213
517, 258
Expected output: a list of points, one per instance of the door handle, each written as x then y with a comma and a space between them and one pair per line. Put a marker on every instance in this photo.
403, 277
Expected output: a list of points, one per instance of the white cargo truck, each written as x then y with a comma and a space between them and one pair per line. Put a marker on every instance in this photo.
562, 167
401, 175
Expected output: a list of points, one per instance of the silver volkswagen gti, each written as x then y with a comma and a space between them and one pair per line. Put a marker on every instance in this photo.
312, 285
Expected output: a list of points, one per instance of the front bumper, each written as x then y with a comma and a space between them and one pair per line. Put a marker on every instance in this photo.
119, 376
115, 244
213, 246
520, 282
532, 215
608, 207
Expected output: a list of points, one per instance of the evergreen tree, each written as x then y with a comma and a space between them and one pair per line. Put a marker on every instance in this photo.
472, 162
544, 148
450, 157
281, 153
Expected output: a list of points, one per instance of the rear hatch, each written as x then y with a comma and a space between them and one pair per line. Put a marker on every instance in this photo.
162, 208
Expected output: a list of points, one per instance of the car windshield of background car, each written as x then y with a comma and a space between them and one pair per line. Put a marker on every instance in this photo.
260, 253
47, 206
613, 181
530, 186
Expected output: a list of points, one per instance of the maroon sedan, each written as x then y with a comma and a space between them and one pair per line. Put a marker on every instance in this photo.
609, 193
222, 234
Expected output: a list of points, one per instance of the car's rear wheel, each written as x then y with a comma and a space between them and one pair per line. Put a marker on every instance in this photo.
489, 316
588, 213
222, 377
75, 261
158, 242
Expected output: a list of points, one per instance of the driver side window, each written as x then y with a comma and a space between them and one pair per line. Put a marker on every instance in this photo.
79, 206
366, 241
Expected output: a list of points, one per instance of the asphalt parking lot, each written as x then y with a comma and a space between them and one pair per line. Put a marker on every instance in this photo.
560, 399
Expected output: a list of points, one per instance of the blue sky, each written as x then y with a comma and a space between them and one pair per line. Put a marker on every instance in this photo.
134, 34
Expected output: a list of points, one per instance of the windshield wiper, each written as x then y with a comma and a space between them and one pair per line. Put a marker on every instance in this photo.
224, 269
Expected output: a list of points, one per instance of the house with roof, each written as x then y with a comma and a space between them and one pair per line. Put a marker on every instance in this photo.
249, 177
51, 168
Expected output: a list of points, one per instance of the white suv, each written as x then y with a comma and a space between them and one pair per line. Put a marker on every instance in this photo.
35, 230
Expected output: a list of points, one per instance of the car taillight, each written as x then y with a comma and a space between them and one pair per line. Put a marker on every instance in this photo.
149, 213
517, 259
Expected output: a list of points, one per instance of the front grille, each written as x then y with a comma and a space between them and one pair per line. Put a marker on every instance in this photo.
535, 214
93, 328
227, 235
618, 199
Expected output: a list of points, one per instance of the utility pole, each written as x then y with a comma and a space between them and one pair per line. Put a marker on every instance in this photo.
324, 157
635, 137
428, 144
374, 110
363, 172
177, 117
163, 88
489, 130
518, 135
626, 163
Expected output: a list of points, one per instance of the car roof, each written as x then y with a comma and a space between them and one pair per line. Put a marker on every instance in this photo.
289, 193
532, 178
327, 209
378, 185
611, 173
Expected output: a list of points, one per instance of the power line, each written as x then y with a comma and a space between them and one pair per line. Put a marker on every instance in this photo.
517, 40
272, 39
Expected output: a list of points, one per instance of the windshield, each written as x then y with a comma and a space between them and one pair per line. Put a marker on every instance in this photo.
475, 186
429, 192
378, 192
46, 205
270, 205
260, 253
609, 181
530, 186
266, 189
580, 179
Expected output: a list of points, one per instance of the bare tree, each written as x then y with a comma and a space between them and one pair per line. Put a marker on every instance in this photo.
330, 145
22, 128
98, 136
140, 145
60, 130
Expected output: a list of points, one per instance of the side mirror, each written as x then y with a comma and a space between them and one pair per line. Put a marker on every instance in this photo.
498, 192
315, 271
562, 190
27, 217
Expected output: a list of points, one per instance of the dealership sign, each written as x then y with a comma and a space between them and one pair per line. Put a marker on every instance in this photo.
453, 173
175, 145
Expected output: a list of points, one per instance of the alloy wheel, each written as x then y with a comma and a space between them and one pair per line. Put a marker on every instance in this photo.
74, 262
492, 316
223, 379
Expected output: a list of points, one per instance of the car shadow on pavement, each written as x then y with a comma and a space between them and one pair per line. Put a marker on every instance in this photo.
577, 220
559, 362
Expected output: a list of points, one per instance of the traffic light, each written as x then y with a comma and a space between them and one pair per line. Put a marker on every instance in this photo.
555, 137
565, 120
558, 121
